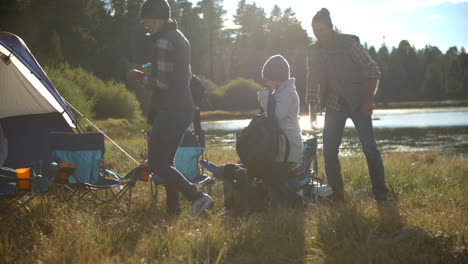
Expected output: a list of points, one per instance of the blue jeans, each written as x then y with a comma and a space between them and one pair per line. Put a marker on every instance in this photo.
332, 136
163, 142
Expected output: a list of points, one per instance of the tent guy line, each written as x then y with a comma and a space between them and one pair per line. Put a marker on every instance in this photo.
100, 131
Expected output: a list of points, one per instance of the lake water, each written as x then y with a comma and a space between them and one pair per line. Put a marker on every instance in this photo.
396, 130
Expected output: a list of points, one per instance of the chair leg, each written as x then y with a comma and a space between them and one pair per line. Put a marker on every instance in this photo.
129, 196
18, 204
154, 191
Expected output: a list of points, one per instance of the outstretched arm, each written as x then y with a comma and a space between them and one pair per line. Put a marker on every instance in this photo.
360, 55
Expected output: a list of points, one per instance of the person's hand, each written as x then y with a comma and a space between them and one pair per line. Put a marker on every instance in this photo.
313, 121
135, 75
366, 109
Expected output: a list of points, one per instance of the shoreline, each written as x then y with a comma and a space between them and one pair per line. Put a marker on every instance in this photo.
218, 115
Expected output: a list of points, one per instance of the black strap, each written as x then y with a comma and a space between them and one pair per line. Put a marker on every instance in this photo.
271, 114
271, 107
286, 152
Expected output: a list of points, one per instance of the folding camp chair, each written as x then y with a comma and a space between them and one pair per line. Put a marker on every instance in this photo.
309, 185
80, 156
186, 161
16, 193
188, 156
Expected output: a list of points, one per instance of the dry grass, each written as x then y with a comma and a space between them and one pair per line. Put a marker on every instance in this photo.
431, 227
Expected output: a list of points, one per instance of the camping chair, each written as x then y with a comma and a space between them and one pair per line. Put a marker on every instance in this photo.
188, 156
186, 161
309, 185
79, 167
16, 193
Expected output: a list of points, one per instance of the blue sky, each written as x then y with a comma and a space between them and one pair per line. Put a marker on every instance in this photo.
441, 23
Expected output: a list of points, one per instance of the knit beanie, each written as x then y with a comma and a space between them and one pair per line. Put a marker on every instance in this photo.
276, 68
323, 17
156, 9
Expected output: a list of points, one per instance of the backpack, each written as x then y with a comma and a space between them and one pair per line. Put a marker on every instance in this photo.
258, 144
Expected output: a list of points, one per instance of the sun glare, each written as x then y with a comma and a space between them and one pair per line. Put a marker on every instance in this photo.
305, 123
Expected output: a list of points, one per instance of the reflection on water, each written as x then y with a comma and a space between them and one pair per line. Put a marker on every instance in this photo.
447, 140
401, 130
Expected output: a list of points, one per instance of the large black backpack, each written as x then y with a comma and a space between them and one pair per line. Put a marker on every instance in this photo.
258, 144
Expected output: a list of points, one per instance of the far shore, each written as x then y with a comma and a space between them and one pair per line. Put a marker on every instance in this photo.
218, 115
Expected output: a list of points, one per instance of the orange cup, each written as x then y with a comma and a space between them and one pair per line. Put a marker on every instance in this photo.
62, 177
23, 173
144, 173
64, 164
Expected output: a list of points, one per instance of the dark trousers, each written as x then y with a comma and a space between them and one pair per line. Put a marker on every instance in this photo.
163, 141
332, 136
240, 192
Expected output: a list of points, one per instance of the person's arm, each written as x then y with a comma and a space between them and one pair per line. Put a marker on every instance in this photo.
360, 55
156, 77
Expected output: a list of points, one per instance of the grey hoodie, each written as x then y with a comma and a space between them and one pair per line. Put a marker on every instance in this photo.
287, 114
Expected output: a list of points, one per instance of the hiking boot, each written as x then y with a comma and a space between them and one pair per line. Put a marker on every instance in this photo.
201, 204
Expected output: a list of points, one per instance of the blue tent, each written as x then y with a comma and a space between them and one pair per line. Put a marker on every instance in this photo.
30, 106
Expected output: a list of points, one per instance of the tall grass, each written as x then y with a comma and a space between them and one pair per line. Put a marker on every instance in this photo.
430, 225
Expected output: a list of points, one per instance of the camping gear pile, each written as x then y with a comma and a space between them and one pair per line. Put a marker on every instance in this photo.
39, 146
38, 142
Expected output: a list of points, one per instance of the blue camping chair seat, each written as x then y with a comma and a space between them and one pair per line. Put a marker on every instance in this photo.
85, 152
186, 161
309, 185
188, 156
13, 200
310, 169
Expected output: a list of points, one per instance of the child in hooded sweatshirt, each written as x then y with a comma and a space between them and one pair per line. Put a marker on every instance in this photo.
276, 74
279, 178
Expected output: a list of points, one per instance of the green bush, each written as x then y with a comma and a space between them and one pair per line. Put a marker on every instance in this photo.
115, 101
109, 99
213, 95
241, 95
71, 91
211, 87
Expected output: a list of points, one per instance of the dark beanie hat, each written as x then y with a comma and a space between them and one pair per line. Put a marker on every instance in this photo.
276, 68
157, 9
323, 17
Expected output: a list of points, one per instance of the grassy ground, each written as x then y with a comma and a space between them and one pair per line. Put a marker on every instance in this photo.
431, 227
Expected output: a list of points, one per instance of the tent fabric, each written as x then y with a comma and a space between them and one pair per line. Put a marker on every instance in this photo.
30, 106
28, 138
3, 147
25, 88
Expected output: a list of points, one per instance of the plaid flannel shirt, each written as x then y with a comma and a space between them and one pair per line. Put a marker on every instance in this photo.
164, 64
335, 101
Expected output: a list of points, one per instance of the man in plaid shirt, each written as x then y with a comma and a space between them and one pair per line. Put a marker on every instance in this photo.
343, 78
171, 105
